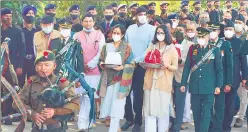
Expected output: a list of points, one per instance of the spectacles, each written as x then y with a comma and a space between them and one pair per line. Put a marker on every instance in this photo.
160, 33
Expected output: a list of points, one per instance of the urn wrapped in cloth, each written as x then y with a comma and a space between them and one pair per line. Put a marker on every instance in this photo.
112, 60
152, 59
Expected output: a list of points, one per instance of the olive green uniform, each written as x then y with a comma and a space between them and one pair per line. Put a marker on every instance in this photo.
31, 91
202, 83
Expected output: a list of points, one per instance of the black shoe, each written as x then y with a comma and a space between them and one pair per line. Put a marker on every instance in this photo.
7, 122
238, 123
136, 128
126, 125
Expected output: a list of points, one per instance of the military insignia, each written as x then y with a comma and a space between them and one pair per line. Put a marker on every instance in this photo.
82, 52
231, 50
62, 80
45, 54
195, 52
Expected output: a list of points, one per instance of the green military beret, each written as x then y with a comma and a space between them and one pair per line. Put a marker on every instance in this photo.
202, 31
213, 25
46, 55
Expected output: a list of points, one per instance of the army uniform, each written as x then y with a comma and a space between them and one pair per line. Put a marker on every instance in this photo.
239, 65
77, 56
52, 6
227, 62
17, 51
203, 81
122, 18
30, 95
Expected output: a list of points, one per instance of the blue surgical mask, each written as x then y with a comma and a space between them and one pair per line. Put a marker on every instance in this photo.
88, 30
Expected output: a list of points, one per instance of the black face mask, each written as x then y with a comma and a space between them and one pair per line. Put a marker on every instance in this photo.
74, 17
151, 12
242, 4
209, 6
229, 6
122, 14
197, 8
29, 19
163, 10
217, 6
184, 10
51, 14
108, 17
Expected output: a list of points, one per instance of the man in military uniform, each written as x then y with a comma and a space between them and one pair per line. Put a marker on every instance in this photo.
123, 18
50, 10
30, 95
152, 13
239, 66
234, 12
196, 12
164, 8
29, 28
219, 10
132, 9
43, 38
59, 43
16, 50
213, 14
184, 12
239, 28
205, 81
227, 62
74, 18
98, 19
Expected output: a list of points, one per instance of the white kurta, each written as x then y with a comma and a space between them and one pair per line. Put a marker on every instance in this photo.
83, 119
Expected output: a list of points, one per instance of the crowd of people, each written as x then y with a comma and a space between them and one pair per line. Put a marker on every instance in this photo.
201, 54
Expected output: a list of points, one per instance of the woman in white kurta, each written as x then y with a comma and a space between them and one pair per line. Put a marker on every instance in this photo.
115, 83
158, 83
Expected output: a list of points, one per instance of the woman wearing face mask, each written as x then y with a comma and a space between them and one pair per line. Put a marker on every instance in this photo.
158, 83
115, 82
91, 41
43, 38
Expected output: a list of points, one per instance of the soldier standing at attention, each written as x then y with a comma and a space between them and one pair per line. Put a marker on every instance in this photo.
43, 38
227, 62
239, 66
132, 10
44, 66
205, 81
164, 8
28, 14
16, 51
74, 18
50, 10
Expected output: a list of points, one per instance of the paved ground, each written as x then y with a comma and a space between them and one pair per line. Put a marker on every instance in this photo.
101, 128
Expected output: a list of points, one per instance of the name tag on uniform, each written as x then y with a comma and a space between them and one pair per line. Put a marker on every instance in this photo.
211, 56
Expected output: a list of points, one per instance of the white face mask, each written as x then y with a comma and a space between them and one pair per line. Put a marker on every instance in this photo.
213, 35
191, 35
228, 34
238, 27
174, 25
160, 37
201, 42
47, 30
142, 19
65, 32
116, 38
88, 30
